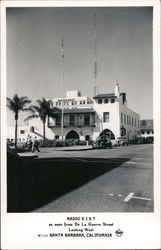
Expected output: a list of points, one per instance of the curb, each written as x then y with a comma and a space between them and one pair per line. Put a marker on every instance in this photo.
81, 149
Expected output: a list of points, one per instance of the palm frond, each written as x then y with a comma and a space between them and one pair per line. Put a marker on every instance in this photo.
39, 102
27, 109
35, 108
31, 117
17, 104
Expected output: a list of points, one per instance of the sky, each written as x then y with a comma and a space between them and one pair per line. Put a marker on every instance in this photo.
124, 52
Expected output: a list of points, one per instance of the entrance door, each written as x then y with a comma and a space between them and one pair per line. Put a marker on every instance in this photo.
72, 135
87, 137
107, 133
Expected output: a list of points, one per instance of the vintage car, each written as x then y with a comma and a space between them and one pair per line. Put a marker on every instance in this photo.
102, 143
122, 141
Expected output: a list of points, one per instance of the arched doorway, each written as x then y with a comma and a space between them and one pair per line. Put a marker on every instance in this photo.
72, 135
107, 133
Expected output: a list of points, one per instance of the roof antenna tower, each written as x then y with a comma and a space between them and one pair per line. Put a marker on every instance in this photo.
95, 58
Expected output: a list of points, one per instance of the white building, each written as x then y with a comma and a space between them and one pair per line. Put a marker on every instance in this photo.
22, 133
86, 118
146, 130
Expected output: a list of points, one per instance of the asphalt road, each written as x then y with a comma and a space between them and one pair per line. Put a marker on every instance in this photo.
117, 180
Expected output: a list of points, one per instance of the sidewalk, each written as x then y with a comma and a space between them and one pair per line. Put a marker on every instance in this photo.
73, 148
69, 148
27, 155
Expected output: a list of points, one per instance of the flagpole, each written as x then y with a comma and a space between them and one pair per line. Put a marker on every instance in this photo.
62, 117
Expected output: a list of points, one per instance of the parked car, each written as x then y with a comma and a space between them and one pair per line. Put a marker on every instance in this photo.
102, 143
122, 141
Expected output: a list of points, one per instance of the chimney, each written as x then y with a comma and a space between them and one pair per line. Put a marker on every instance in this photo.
123, 97
117, 90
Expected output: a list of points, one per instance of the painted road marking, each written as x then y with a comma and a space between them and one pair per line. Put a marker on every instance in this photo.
128, 197
131, 196
140, 163
120, 195
141, 198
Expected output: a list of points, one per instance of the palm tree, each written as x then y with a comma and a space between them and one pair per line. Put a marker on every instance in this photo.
16, 105
43, 111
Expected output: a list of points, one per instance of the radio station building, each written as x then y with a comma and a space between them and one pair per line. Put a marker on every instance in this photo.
86, 118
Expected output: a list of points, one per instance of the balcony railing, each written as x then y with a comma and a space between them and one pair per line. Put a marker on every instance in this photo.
75, 124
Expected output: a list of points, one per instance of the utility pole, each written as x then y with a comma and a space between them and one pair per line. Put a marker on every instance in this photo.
62, 114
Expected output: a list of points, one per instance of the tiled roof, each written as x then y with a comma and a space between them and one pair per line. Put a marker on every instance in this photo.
108, 95
78, 110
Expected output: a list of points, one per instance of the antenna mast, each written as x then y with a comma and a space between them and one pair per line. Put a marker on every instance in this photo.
95, 57
62, 116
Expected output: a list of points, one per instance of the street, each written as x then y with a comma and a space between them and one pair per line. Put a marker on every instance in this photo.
125, 183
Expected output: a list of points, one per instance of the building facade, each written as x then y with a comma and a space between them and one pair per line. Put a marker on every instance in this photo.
86, 118
146, 130
22, 133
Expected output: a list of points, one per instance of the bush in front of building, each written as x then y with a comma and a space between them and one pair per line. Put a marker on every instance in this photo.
46, 143
64, 143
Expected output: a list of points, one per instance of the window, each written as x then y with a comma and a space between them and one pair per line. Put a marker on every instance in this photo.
72, 120
99, 101
87, 137
129, 120
56, 103
148, 132
56, 137
58, 120
135, 122
72, 102
22, 131
121, 117
84, 102
112, 100
75, 102
86, 120
106, 117
124, 118
132, 121
80, 102
106, 101
142, 132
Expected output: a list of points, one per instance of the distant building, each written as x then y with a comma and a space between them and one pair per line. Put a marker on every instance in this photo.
146, 129
86, 118
22, 133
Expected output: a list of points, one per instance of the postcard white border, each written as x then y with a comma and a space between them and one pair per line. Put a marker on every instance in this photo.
142, 230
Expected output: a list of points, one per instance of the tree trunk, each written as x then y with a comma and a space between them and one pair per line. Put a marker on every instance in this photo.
16, 134
43, 131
